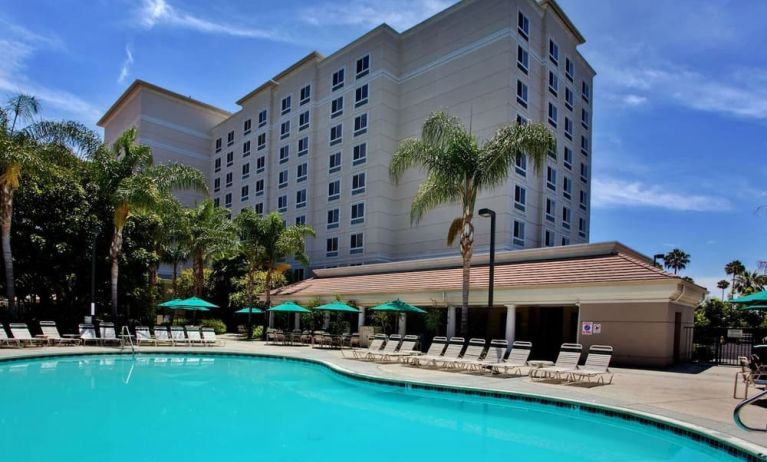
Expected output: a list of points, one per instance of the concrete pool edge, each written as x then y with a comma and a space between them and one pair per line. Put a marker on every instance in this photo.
713, 438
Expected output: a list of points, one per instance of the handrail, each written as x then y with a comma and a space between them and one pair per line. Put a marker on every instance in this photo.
125, 333
740, 406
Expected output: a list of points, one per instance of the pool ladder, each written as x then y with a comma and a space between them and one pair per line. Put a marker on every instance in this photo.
125, 334
741, 405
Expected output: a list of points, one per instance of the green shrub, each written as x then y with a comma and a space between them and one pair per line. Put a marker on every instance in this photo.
218, 325
258, 331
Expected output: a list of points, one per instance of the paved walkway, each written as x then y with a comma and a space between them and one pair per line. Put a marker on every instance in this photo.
701, 397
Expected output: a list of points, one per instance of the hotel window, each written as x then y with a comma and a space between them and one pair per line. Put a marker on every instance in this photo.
358, 213
523, 59
259, 208
553, 52
246, 127
565, 240
358, 183
246, 149
300, 220
585, 91
552, 151
337, 107
519, 233
301, 172
218, 144
217, 165
334, 190
522, 93
550, 210
229, 159
282, 203
567, 187
553, 83
584, 145
284, 129
228, 200
566, 217
230, 138
285, 105
581, 227
360, 124
284, 153
336, 134
569, 69
548, 239
361, 96
333, 218
331, 247
568, 98
553, 113
521, 120
360, 154
363, 66
216, 184
303, 146
523, 25
303, 120
216, 202
335, 162
244, 193
583, 203
520, 198
551, 178
300, 198
228, 181
260, 164
245, 170
356, 245
584, 173
520, 165
568, 158
306, 94
585, 118
261, 141
262, 118
283, 179
259, 187
568, 128
338, 79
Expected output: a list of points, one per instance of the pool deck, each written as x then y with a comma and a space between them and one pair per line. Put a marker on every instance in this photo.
702, 397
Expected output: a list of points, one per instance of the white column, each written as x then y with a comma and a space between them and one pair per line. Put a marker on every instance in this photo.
402, 323
450, 322
511, 323
270, 318
361, 318
325, 321
298, 320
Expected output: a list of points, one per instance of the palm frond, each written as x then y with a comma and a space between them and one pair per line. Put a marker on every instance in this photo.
434, 191
455, 230
73, 135
510, 143
21, 107
174, 176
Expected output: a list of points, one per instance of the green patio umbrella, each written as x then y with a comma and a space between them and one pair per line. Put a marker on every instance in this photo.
194, 303
398, 306
170, 303
337, 306
252, 309
756, 297
754, 307
289, 307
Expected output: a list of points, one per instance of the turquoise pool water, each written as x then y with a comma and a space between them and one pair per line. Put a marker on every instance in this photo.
197, 408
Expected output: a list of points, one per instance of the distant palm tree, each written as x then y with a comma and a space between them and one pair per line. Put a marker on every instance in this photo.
723, 284
734, 268
677, 260
211, 234
749, 282
458, 167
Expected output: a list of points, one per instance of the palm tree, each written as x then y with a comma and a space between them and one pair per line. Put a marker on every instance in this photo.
723, 284
677, 260
266, 243
174, 245
211, 234
132, 183
734, 268
749, 282
458, 167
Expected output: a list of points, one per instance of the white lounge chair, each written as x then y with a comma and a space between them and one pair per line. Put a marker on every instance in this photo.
161, 336
495, 354
143, 335
193, 335
518, 356
20, 331
406, 348
374, 347
209, 337
567, 361
88, 334
178, 336
108, 335
474, 351
453, 351
435, 350
597, 365
8, 341
50, 330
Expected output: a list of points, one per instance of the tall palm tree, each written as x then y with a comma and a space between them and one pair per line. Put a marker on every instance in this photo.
211, 234
266, 243
132, 183
749, 282
458, 167
174, 244
677, 260
723, 284
734, 268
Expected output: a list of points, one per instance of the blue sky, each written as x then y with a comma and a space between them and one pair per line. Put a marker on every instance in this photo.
680, 96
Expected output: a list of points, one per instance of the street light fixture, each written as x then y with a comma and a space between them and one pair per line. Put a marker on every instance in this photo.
656, 257
485, 212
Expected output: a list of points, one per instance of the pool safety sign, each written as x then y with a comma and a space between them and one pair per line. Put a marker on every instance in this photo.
591, 328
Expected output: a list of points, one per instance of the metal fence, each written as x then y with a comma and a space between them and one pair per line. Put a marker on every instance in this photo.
721, 345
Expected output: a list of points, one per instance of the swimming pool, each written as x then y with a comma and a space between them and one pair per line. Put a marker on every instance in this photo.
211, 408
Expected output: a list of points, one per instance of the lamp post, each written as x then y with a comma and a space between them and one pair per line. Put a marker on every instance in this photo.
656, 257
485, 212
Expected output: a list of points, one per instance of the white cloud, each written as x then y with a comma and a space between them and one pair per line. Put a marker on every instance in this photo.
400, 14
127, 63
613, 192
634, 100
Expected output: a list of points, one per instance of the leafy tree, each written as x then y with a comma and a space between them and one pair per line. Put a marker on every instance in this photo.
749, 282
723, 284
717, 313
733, 269
458, 168
677, 260
210, 235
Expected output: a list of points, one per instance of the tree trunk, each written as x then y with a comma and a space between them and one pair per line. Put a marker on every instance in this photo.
7, 217
114, 259
174, 280
249, 302
467, 249
268, 285
199, 275
152, 286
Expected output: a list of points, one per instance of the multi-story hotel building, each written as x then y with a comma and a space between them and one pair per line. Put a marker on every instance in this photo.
315, 141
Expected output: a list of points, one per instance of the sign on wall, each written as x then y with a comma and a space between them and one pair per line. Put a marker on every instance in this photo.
597, 328
587, 328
